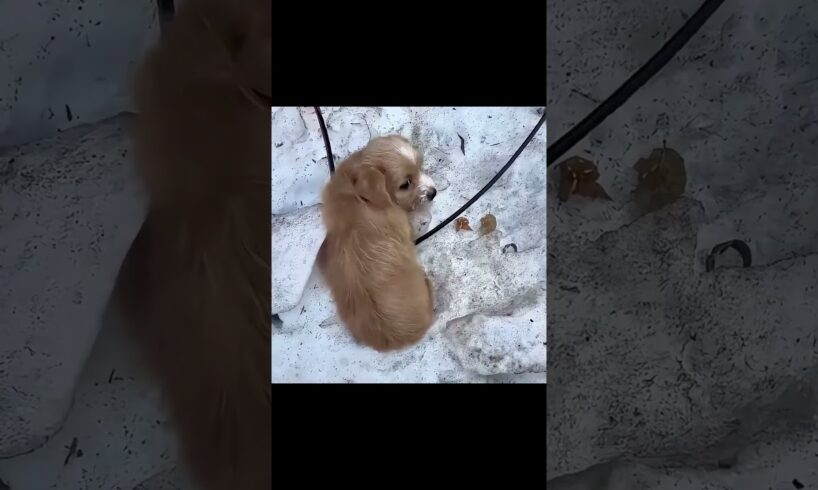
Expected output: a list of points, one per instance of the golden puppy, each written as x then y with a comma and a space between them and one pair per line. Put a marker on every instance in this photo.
196, 283
368, 258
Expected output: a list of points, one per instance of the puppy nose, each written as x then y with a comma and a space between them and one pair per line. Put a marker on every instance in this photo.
432, 193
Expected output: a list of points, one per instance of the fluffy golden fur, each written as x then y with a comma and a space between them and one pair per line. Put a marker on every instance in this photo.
368, 258
196, 283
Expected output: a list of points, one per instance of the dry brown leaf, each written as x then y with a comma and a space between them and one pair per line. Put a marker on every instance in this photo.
579, 176
661, 179
488, 223
462, 223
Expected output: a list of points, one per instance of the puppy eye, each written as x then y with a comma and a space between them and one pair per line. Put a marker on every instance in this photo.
405, 185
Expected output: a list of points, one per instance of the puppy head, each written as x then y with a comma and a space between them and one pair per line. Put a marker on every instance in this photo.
239, 34
381, 180
212, 59
368, 183
401, 165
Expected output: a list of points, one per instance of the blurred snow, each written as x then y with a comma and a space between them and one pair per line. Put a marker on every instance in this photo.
70, 206
664, 376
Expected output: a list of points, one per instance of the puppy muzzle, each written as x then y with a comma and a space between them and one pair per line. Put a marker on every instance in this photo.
426, 188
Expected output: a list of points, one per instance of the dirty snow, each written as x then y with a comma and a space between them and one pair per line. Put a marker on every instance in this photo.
59, 258
490, 305
289, 262
663, 376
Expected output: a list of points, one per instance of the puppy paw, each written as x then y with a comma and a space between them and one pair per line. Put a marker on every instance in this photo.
420, 220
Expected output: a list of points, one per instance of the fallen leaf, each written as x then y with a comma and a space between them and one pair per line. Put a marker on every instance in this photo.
579, 176
661, 179
488, 223
462, 223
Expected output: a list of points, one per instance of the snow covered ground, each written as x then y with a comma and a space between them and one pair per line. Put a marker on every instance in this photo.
490, 310
662, 375
76, 408
76, 411
115, 435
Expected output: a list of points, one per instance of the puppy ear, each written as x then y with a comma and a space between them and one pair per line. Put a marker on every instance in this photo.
370, 184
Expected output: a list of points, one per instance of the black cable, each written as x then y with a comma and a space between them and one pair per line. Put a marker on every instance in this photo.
487, 186
327, 146
739, 246
635, 82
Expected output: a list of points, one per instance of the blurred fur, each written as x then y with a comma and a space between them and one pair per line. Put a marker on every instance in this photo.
196, 283
368, 258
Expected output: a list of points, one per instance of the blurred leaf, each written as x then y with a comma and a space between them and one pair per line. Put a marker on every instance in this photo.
488, 223
579, 176
661, 179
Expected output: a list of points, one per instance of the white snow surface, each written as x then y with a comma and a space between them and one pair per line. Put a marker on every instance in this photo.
664, 376
70, 206
490, 305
